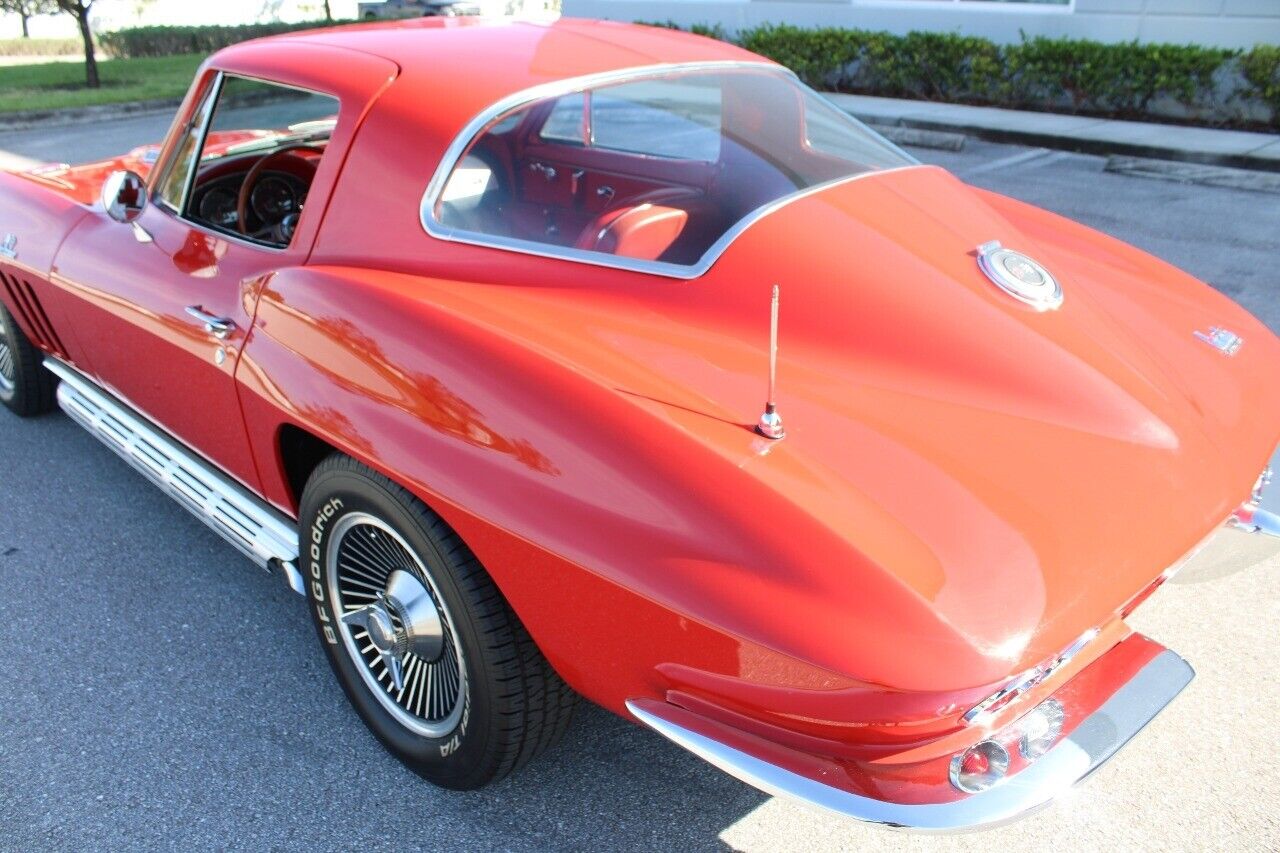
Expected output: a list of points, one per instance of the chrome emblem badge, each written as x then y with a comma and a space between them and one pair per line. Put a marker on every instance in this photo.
1223, 340
1020, 276
1029, 679
9, 248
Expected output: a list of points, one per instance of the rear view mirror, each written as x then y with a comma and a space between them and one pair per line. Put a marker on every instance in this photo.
124, 195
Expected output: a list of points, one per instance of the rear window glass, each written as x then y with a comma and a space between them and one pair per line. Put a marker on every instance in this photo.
654, 118
655, 169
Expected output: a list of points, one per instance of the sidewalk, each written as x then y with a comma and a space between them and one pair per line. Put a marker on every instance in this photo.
1093, 135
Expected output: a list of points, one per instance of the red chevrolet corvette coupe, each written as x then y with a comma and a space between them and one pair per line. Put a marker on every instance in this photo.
470, 331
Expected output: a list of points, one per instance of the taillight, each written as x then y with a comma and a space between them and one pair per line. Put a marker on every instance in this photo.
979, 767
987, 763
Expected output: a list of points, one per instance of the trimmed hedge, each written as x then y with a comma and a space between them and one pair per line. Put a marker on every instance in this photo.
41, 47
1128, 79
171, 41
1262, 70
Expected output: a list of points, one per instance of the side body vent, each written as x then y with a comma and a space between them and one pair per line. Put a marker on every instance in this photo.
31, 313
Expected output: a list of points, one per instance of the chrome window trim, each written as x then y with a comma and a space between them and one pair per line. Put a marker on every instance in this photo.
559, 88
205, 108
211, 107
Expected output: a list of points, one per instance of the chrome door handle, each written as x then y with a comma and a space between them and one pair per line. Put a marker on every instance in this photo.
219, 327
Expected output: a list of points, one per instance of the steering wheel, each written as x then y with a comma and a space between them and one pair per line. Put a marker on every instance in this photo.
251, 181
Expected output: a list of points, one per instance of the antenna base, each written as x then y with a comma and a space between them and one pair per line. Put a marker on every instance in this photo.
770, 425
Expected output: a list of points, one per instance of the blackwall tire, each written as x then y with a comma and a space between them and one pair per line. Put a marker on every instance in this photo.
492, 702
26, 388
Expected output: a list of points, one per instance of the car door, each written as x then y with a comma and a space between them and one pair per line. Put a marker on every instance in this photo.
165, 303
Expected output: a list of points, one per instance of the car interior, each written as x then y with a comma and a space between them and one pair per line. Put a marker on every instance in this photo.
658, 168
249, 181
259, 196
653, 170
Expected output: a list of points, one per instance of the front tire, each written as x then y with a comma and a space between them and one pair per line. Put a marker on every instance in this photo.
428, 651
26, 388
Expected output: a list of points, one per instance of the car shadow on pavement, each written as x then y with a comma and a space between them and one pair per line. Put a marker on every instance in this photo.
196, 706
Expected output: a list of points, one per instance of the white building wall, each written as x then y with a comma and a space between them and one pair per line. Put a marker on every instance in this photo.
117, 14
110, 15
1225, 23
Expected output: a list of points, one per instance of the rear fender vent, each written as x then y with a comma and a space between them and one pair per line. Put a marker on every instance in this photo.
31, 313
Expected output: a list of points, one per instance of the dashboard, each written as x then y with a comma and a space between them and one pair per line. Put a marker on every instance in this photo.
276, 196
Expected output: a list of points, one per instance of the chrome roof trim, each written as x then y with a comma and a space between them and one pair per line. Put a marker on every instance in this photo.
558, 88
1098, 737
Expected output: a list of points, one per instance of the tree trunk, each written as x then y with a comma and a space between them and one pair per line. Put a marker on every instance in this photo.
26, 30
90, 61
328, 14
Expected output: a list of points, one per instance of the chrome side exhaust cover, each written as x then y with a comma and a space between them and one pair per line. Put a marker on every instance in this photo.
264, 535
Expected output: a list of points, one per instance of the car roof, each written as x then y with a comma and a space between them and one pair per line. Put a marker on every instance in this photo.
451, 71
467, 63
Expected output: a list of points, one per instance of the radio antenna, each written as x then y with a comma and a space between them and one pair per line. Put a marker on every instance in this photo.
770, 425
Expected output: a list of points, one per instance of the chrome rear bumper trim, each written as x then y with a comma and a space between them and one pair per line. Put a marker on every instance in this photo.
266, 536
1077, 755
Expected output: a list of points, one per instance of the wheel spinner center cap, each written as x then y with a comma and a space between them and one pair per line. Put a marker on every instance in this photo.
421, 633
382, 631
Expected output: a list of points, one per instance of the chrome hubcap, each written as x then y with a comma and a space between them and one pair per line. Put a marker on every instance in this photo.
402, 619
7, 369
395, 626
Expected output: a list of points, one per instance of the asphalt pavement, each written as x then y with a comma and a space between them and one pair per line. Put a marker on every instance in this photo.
159, 691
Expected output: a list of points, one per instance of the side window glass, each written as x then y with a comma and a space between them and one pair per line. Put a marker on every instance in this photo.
258, 158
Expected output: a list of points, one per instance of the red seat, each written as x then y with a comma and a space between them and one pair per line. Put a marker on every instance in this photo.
643, 227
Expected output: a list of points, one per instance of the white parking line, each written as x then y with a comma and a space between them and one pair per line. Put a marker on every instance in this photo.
1019, 159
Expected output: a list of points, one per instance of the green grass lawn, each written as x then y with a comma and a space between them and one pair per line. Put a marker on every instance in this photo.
56, 85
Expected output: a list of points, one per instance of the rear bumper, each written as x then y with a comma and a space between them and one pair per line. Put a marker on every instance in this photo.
1261, 514
1096, 737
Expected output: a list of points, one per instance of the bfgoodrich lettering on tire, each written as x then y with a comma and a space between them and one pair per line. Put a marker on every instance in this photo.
427, 649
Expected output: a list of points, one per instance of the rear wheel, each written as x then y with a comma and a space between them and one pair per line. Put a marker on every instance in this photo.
26, 388
428, 651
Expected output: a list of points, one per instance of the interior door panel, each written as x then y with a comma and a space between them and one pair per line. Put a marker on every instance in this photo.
563, 188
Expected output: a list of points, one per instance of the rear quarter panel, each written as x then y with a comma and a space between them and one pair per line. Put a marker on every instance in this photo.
607, 531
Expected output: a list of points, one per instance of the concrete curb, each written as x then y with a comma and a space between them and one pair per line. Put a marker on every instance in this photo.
28, 119
1195, 173
1089, 135
918, 138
